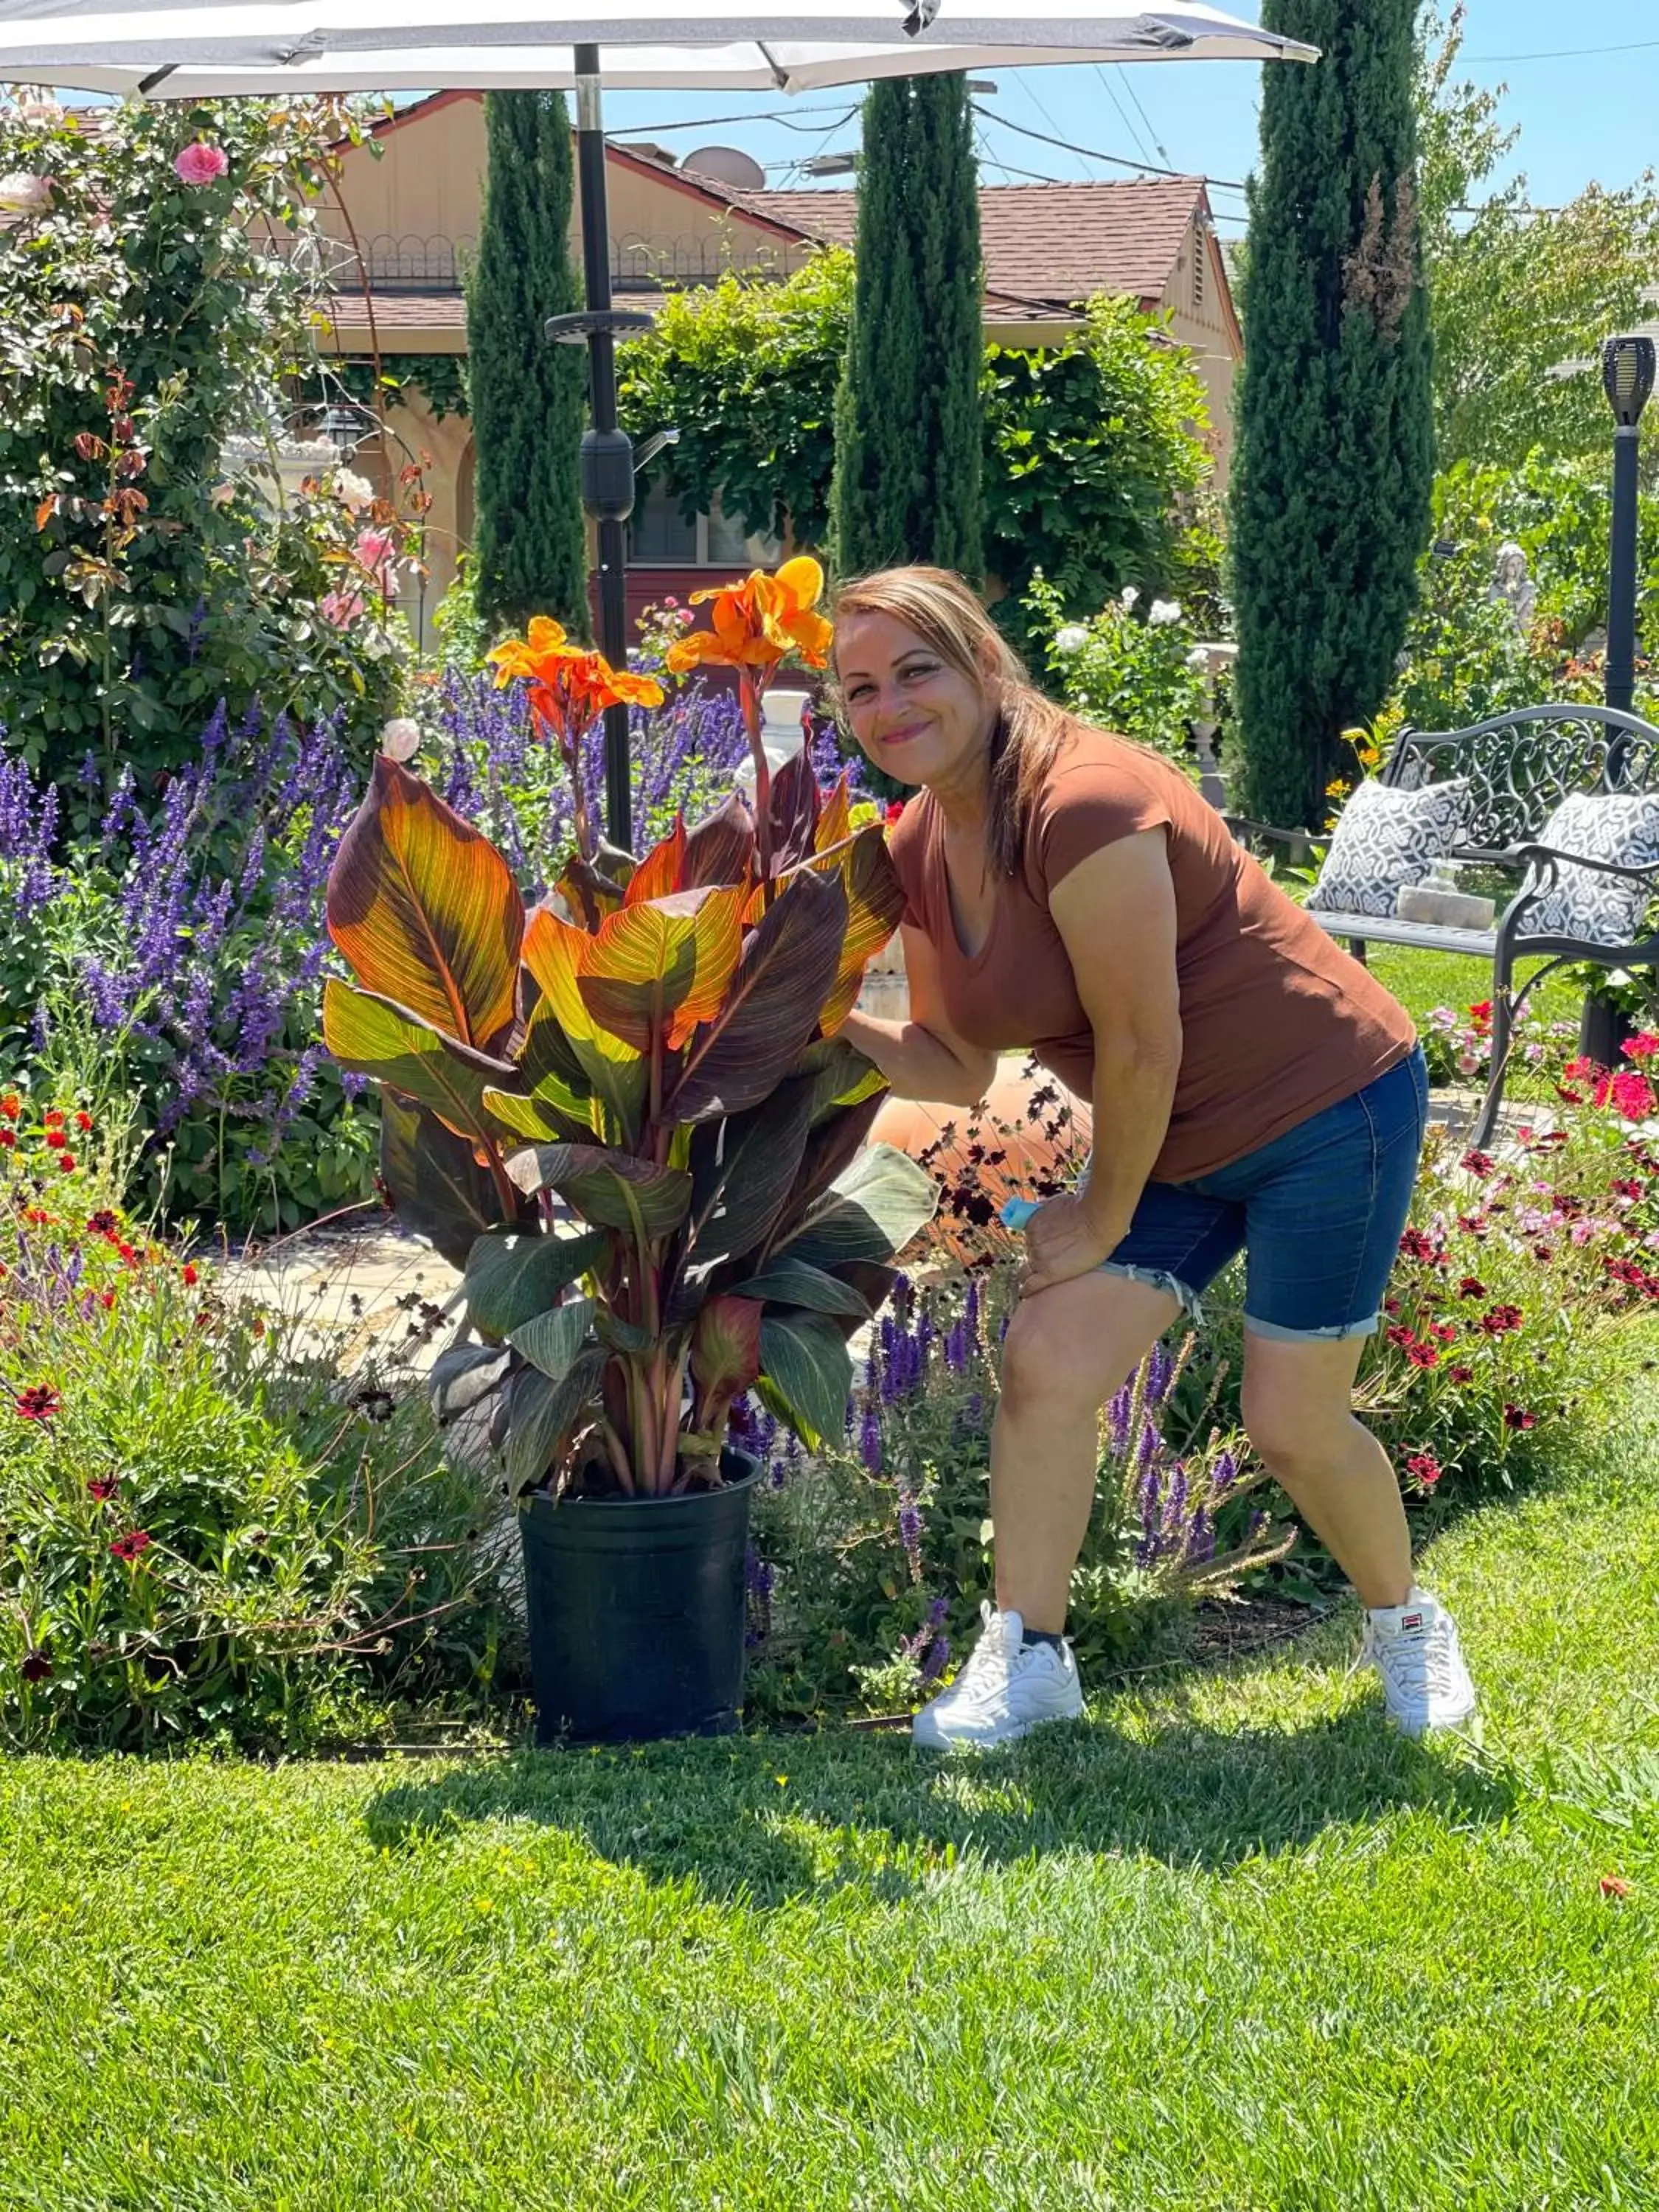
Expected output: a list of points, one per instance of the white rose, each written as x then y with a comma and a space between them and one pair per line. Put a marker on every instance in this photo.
1199, 658
1072, 638
352, 491
400, 739
1129, 596
20, 193
42, 113
1161, 611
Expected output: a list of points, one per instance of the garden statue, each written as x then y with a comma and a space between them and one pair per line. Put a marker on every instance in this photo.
1512, 586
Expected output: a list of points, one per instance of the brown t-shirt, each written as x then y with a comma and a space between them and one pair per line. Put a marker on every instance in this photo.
1278, 1021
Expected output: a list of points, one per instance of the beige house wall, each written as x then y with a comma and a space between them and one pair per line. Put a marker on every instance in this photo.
1200, 319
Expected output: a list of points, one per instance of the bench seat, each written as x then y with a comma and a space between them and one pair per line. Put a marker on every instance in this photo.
1424, 936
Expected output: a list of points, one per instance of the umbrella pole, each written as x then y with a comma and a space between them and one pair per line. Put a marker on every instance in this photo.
607, 455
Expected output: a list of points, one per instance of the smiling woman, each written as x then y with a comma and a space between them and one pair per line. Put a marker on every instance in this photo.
1254, 1090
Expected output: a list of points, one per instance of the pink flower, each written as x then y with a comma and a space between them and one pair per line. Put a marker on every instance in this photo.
373, 548
198, 163
342, 608
23, 193
1642, 1046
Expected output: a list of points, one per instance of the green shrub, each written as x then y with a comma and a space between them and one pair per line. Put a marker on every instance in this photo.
209, 1532
1138, 671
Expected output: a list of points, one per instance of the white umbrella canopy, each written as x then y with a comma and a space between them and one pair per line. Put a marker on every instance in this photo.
204, 49
258, 47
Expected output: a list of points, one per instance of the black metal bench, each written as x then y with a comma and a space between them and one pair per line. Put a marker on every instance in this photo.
1520, 767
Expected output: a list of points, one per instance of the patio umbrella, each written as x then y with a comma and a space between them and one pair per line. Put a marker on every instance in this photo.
275, 48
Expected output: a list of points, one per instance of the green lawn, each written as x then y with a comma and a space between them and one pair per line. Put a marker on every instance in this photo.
1228, 1945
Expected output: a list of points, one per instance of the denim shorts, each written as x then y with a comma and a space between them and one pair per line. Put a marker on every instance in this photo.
1318, 1214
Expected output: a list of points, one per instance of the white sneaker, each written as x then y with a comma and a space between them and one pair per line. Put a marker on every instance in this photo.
1006, 1689
1414, 1648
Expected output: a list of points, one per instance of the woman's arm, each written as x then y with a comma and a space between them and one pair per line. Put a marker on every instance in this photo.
923, 1058
1115, 913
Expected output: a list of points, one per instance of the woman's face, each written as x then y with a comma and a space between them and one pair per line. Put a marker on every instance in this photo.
915, 715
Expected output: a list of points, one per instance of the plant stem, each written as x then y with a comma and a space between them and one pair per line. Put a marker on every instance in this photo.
749, 698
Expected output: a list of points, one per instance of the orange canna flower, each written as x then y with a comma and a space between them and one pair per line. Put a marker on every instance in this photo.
568, 684
760, 621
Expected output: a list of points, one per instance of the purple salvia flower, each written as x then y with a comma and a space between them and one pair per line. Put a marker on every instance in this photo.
1117, 1421
909, 1524
869, 1449
1146, 1449
1226, 1473
1160, 1368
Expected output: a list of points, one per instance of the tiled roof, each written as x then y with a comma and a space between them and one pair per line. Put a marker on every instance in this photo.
1055, 243
401, 311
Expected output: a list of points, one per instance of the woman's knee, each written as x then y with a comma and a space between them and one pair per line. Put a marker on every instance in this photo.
1292, 1433
1063, 1354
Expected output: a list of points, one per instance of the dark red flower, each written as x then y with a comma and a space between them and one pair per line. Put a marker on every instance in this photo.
1624, 1187
130, 1547
1500, 1320
103, 1487
1544, 1252
1390, 1305
1445, 1330
1514, 1417
104, 1223
1476, 1224
36, 1667
37, 1402
1423, 1355
1461, 1374
1405, 1338
1471, 1287
106, 1299
1479, 1164
1414, 1245
66, 1162
9, 1139
1424, 1467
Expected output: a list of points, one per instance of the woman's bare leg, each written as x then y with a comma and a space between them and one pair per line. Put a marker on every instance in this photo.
1067, 1351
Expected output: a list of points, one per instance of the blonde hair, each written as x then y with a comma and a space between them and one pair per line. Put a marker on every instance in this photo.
1030, 730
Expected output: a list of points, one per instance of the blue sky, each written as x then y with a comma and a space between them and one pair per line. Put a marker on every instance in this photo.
1582, 83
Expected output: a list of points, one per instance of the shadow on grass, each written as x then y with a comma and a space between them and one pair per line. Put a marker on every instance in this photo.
763, 1821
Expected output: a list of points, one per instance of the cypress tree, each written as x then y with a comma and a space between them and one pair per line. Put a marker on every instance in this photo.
1334, 459
909, 432
528, 397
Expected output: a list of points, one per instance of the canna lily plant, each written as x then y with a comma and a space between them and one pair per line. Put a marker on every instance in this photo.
625, 1112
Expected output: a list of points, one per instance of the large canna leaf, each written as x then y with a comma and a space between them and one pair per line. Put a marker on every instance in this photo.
871, 1213
721, 847
661, 872
789, 1282
372, 1036
830, 1149
655, 971
771, 1011
743, 1171
794, 809
512, 1277
542, 1416
875, 906
434, 1184
840, 1074
426, 910
617, 1072
804, 1357
552, 1341
611, 1190
834, 821
537, 1119
726, 1353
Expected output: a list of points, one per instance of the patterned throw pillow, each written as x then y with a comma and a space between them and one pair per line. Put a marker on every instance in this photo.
1623, 828
1386, 839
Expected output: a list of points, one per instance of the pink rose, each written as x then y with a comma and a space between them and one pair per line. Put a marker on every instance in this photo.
342, 608
20, 193
373, 548
201, 164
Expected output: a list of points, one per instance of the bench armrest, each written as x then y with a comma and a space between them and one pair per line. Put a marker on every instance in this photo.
1240, 824
1550, 857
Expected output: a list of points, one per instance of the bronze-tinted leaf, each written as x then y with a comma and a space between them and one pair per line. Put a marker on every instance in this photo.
426, 910
875, 906
804, 1357
436, 1187
722, 848
611, 1190
655, 971
543, 1415
372, 1036
794, 809
797, 1283
726, 1355
512, 1276
771, 1011
554, 952
741, 1172
660, 874
552, 1340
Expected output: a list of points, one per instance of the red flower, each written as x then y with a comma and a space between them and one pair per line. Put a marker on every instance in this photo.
1623, 1188
1641, 1047
83, 1123
1625, 1271
66, 1161
37, 1402
127, 1254
11, 1106
36, 1667
136, 1540
190, 1277
1423, 1355
1405, 1338
106, 1299
1424, 1467
1471, 1287
1462, 1374
104, 1223
1514, 1418
1390, 1305
1479, 1164
1501, 1320
1544, 1252
1414, 1245
1480, 1012
1613, 1885
892, 811
103, 1487
54, 1117
1630, 1093
9, 1139
1445, 1330
38, 1215
1476, 1224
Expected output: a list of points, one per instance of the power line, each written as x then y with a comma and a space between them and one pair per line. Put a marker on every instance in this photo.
1158, 146
1567, 53
1093, 153
1123, 114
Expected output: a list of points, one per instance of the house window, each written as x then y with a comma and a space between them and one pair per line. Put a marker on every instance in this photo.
658, 535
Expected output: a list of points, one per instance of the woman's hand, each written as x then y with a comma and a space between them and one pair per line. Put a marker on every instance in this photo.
1062, 1241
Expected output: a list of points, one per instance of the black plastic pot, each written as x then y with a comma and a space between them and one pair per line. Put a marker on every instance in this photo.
635, 1611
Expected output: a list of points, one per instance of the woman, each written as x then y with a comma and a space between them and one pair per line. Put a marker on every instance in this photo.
1253, 1088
